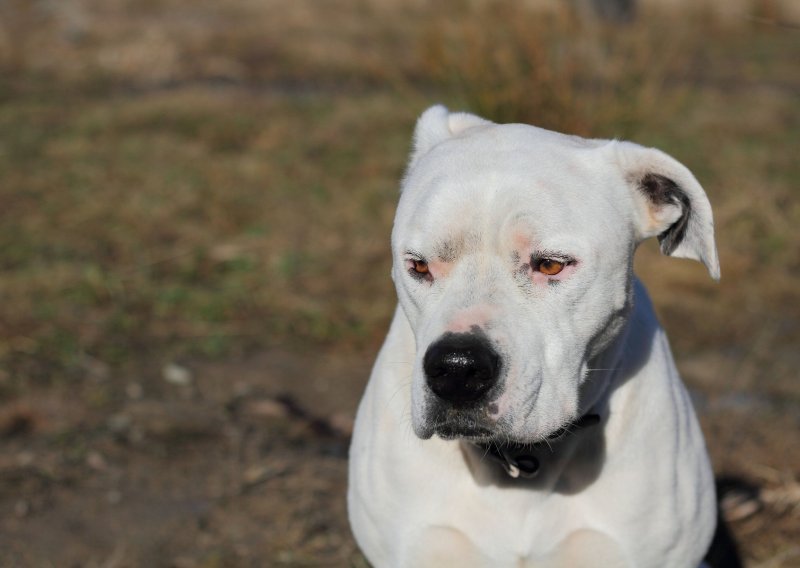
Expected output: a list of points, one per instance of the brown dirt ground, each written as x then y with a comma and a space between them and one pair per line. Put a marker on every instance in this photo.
245, 465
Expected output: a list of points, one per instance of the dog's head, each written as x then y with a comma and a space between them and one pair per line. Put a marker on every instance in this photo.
513, 250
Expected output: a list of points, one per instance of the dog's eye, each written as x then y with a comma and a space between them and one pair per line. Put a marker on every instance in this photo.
549, 266
420, 267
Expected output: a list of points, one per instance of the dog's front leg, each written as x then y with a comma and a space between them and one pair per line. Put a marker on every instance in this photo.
445, 546
583, 549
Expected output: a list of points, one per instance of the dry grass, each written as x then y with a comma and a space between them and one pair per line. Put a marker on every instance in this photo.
212, 178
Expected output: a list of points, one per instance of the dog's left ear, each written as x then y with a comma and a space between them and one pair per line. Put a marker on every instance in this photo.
436, 125
670, 204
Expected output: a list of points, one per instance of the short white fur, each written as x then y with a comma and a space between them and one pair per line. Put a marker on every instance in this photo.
636, 491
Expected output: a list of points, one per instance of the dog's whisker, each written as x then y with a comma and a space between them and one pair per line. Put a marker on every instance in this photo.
401, 387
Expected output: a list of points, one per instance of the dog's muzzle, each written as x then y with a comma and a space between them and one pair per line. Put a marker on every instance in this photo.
461, 368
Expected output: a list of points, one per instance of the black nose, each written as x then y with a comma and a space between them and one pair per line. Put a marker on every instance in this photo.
461, 367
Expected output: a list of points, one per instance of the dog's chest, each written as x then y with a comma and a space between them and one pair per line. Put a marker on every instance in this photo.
508, 521
509, 531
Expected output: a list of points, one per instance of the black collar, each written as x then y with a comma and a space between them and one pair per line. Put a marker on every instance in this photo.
519, 460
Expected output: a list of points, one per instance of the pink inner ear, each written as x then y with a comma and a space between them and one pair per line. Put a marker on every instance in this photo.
662, 216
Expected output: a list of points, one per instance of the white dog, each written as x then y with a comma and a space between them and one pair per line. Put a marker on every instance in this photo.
525, 409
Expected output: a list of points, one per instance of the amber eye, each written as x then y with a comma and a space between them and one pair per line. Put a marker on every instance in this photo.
420, 267
549, 266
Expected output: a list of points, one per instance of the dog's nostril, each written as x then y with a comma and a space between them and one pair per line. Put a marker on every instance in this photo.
461, 367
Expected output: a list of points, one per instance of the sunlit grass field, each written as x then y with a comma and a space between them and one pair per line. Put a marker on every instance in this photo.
200, 179
208, 179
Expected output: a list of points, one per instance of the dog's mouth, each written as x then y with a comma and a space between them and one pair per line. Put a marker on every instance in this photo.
453, 425
476, 431
449, 431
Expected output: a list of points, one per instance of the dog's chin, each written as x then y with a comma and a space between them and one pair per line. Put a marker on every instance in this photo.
461, 432
461, 428
471, 426
476, 425
483, 430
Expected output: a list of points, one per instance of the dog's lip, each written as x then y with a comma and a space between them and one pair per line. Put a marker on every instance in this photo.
550, 437
463, 423
453, 431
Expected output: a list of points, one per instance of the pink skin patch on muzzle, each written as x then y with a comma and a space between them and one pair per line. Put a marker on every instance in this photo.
474, 316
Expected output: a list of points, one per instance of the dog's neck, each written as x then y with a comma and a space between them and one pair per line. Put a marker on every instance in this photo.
522, 460
527, 460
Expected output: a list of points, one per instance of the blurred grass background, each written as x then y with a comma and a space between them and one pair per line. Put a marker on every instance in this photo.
209, 179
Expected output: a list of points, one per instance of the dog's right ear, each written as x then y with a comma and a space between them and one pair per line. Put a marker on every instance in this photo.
671, 204
436, 125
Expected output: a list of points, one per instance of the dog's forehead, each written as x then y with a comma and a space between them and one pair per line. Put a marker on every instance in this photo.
493, 175
509, 150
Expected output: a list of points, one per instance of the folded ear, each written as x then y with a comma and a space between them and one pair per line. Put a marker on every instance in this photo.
670, 204
436, 125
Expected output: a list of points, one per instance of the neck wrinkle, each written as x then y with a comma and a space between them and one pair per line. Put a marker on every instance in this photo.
604, 370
